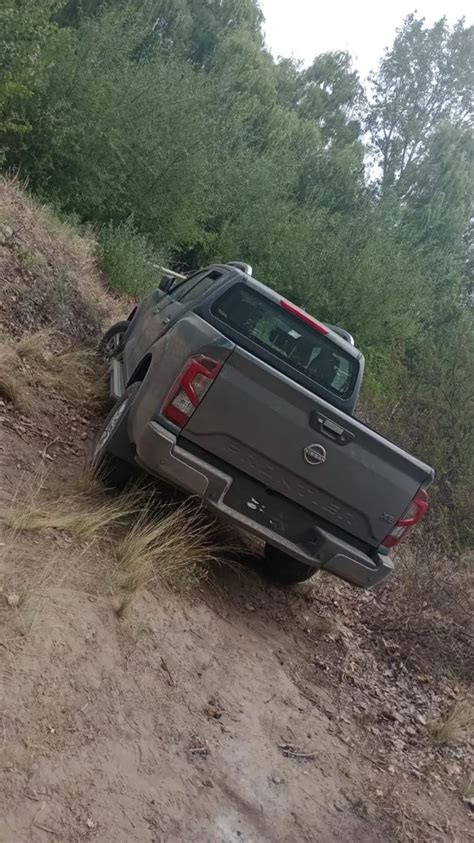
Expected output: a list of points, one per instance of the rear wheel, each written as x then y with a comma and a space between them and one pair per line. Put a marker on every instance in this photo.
112, 443
112, 342
284, 569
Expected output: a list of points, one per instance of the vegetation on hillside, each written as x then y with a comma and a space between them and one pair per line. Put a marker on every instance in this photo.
167, 126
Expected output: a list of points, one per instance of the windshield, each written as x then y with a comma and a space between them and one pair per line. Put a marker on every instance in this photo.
289, 338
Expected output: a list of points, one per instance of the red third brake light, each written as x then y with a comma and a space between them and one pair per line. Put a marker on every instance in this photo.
412, 516
305, 317
190, 388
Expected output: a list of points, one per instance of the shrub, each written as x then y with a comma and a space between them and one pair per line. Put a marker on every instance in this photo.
128, 259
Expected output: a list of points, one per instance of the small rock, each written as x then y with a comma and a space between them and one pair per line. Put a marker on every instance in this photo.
453, 769
421, 719
213, 711
277, 780
208, 783
90, 823
393, 715
13, 600
411, 731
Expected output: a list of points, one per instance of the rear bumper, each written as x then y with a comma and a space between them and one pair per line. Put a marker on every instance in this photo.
158, 453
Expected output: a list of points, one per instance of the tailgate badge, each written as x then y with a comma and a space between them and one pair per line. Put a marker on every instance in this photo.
314, 454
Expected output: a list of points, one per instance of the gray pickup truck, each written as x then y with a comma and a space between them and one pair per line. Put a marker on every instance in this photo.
228, 391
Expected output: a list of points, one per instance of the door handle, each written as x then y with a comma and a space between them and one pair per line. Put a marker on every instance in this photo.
330, 428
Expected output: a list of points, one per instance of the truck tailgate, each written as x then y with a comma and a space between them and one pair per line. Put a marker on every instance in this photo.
295, 443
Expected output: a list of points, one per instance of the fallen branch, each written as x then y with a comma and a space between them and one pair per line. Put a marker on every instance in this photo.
46, 828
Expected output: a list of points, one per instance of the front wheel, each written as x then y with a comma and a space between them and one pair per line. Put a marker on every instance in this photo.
284, 569
112, 343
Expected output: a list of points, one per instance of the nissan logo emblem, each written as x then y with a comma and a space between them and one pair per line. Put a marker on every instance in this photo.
314, 454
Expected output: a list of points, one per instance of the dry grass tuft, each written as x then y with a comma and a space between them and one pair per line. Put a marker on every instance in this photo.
78, 376
16, 361
28, 365
10, 389
456, 725
31, 349
78, 516
174, 544
88, 482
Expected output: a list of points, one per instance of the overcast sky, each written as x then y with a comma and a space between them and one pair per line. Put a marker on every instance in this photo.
304, 28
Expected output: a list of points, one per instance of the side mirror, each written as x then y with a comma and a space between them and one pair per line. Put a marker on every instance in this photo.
166, 284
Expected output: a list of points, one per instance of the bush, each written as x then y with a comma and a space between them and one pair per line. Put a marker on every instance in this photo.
128, 259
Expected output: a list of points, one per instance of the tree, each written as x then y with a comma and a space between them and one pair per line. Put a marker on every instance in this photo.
74, 11
245, 88
326, 97
424, 80
438, 200
331, 95
25, 30
212, 20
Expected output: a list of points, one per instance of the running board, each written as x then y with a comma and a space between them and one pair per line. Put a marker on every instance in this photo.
117, 385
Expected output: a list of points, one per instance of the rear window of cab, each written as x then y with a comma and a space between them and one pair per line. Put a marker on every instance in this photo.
288, 338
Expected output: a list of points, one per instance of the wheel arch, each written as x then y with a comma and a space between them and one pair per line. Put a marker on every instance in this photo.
140, 370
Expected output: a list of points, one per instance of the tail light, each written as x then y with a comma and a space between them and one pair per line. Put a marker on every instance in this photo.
190, 388
412, 516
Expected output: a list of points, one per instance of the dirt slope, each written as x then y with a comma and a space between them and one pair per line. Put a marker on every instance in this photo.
229, 711
169, 724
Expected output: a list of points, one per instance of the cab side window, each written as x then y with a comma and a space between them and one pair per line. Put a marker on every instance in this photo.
196, 286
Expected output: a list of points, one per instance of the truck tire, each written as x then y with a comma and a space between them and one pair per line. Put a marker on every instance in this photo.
108, 458
284, 569
111, 344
